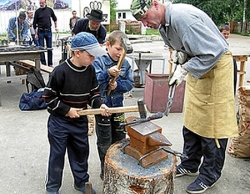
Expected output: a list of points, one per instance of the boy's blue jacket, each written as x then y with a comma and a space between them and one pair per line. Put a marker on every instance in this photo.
124, 82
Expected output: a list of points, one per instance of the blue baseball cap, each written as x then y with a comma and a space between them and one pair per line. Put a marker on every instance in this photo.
88, 42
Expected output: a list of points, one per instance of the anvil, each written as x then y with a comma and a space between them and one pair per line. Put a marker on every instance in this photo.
145, 141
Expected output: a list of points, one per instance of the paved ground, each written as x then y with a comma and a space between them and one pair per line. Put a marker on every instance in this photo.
25, 148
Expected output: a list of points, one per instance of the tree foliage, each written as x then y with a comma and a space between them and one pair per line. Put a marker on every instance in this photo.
113, 4
221, 11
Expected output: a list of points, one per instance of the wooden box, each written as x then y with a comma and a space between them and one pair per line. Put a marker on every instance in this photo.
156, 94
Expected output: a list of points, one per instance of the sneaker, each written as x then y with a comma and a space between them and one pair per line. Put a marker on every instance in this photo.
83, 189
182, 171
198, 187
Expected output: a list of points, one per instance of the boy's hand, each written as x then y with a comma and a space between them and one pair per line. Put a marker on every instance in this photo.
112, 85
73, 113
105, 111
114, 71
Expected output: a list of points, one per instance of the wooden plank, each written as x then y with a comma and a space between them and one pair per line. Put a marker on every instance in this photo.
44, 68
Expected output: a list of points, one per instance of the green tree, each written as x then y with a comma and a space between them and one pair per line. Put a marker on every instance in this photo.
113, 4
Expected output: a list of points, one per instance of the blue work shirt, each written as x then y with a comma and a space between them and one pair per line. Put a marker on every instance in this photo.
22, 29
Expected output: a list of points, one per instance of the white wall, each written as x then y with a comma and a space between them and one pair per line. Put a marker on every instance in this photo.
62, 20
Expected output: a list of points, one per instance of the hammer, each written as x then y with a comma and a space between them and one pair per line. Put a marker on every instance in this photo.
140, 108
127, 48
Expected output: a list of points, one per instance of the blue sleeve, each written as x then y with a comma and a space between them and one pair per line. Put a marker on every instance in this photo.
102, 75
125, 81
25, 31
11, 26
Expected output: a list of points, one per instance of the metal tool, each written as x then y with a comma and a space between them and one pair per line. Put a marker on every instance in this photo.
57, 39
171, 93
127, 48
181, 155
142, 120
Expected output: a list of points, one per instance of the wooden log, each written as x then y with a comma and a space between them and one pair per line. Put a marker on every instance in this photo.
122, 174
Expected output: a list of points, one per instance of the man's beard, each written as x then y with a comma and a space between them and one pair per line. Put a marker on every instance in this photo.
92, 29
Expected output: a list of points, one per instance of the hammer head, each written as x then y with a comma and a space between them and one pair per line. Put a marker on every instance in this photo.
126, 44
141, 108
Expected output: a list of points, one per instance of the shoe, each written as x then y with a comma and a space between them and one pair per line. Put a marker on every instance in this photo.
198, 187
83, 189
180, 171
55, 192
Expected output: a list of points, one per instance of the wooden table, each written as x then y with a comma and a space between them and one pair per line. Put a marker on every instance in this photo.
21, 55
7, 56
242, 58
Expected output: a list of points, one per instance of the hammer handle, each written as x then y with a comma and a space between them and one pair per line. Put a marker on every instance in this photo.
111, 110
119, 65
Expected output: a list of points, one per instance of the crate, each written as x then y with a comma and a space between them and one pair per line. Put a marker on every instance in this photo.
156, 94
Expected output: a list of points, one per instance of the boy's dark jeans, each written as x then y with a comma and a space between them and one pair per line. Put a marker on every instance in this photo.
108, 132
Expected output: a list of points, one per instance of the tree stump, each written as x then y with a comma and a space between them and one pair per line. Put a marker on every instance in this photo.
123, 174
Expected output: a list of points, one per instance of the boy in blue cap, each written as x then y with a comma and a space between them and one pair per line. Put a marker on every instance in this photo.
71, 87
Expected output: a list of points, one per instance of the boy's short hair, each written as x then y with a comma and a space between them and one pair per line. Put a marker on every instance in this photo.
224, 26
85, 41
116, 36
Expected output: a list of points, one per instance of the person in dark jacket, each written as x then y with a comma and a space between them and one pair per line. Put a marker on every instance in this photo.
71, 87
73, 20
92, 24
42, 25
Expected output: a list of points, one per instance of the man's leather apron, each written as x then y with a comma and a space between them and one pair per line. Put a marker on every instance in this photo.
209, 102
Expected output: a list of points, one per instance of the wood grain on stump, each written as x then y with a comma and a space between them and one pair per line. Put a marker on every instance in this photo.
123, 174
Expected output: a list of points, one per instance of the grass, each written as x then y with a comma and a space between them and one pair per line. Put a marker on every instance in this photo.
152, 32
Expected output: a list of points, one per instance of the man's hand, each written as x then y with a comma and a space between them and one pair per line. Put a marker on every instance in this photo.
178, 76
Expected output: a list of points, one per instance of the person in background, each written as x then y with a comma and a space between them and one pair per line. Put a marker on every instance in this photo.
42, 25
18, 25
71, 87
225, 31
30, 19
209, 109
73, 20
108, 130
92, 24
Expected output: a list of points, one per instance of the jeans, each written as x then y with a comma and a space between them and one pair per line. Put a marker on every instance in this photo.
47, 35
34, 40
